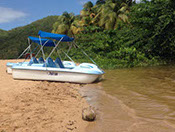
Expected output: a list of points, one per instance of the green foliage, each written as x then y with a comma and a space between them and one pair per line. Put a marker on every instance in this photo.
3, 33
106, 14
110, 49
155, 20
13, 42
115, 33
148, 40
100, 2
88, 5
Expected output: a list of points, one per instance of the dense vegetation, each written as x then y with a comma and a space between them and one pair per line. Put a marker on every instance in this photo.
115, 33
144, 35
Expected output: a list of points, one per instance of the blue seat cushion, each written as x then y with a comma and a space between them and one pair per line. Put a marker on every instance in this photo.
41, 60
49, 63
33, 61
59, 62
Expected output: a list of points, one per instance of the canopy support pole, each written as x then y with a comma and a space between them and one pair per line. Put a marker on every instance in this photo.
58, 54
43, 53
68, 56
69, 49
85, 53
42, 48
30, 46
38, 52
57, 51
55, 47
23, 52
28, 56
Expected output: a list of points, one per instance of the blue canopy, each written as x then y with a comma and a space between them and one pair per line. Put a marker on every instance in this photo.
45, 42
55, 36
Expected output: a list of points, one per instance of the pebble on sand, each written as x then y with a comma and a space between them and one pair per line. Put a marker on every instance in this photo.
88, 114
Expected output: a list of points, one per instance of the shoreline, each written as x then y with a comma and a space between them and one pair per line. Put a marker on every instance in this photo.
39, 105
121, 111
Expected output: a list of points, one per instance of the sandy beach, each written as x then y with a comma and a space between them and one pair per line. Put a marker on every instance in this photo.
39, 106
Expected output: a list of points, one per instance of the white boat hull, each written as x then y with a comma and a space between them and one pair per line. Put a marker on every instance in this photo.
9, 69
62, 76
9, 66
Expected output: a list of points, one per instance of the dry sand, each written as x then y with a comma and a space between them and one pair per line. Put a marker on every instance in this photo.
37, 106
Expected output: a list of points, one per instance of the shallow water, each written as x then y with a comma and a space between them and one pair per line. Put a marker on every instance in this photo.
134, 100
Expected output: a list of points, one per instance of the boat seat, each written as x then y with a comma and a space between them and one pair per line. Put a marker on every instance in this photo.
33, 61
59, 63
69, 64
41, 60
49, 63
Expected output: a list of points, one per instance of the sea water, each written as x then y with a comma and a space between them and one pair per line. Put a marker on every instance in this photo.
134, 100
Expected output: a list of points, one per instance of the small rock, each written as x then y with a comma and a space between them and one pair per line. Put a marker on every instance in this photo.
70, 123
84, 96
88, 114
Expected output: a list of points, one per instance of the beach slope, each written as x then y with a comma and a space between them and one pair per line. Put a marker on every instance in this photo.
39, 105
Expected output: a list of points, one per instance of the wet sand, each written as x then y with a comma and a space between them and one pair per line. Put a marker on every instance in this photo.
39, 106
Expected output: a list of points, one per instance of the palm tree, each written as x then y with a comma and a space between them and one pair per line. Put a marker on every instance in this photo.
172, 3
88, 5
64, 24
100, 2
86, 15
110, 13
76, 27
